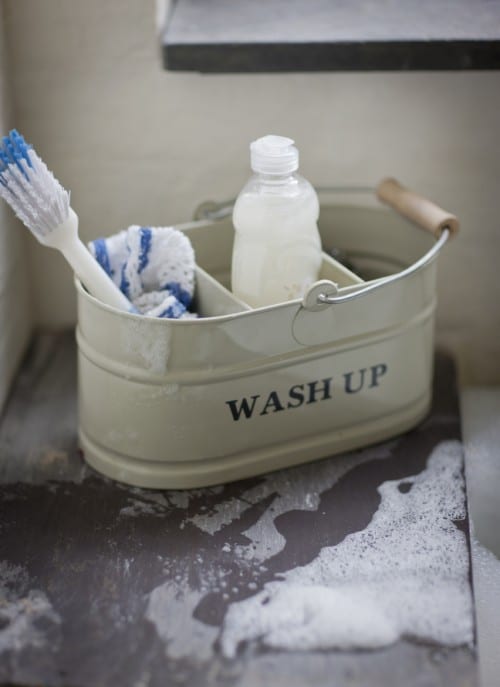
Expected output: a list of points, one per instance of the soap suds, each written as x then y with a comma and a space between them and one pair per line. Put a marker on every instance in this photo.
25, 613
146, 503
405, 574
170, 608
265, 540
139, 508
150, 344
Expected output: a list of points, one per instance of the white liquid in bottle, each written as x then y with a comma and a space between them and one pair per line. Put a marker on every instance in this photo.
277, 248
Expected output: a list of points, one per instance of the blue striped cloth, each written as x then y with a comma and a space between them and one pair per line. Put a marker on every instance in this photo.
153, 266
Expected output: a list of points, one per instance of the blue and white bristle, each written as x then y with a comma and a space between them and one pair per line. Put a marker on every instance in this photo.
153, 266
32, 191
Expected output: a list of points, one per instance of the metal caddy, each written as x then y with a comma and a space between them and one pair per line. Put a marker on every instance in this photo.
238, 392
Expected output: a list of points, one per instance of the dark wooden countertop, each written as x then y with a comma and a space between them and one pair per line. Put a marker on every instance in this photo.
103, 584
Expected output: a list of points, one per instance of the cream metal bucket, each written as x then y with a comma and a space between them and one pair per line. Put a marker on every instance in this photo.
238, 392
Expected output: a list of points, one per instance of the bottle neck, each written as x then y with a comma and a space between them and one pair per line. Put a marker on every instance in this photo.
276, 179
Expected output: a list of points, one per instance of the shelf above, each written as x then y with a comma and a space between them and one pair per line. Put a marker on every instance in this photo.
238, 36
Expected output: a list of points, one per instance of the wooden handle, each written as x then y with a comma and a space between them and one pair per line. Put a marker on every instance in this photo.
415, 208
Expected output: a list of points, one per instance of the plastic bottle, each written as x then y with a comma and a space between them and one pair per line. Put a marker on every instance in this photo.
277, 247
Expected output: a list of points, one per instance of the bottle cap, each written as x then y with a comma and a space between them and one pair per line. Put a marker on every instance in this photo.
274, 155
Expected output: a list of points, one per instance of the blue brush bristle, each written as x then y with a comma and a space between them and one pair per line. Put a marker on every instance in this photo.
14, 150
37, 198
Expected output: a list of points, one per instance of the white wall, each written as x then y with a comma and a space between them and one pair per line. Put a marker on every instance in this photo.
138, 144
14, 298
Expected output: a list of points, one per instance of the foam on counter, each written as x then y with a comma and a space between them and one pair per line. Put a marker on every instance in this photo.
406, 574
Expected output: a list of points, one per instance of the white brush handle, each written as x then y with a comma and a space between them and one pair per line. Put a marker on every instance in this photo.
65, 238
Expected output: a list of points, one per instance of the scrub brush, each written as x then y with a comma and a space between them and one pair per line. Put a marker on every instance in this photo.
42, 204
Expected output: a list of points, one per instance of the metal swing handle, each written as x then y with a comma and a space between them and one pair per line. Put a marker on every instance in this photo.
423, 212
